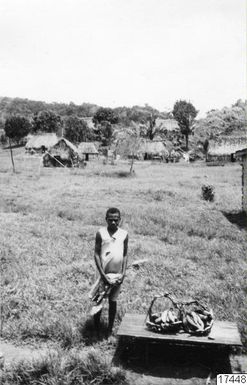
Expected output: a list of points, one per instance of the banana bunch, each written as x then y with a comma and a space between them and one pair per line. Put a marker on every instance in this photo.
197, 321
163, 321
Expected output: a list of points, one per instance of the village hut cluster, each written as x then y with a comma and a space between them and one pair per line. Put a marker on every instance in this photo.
60, 152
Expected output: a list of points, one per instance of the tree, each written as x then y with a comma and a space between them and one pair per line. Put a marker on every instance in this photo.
129, 143
16, 127
206, 147
105, 115
184, 112
76, 130
221, 123
227, 121
104, 133
103, 119
151, 131
46, 121
138, 114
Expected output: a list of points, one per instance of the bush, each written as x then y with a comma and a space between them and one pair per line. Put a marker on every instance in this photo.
208, 192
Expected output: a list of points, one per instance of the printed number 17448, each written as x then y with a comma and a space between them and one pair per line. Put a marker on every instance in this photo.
230, 379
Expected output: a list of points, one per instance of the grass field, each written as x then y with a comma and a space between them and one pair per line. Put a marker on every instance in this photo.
49, 218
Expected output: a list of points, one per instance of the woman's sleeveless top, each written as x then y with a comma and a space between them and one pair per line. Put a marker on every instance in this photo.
112, 248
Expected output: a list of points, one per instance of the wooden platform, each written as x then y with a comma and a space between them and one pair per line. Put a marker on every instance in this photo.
223, 333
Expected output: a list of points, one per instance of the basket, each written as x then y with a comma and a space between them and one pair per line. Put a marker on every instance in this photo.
166, 321
197, 318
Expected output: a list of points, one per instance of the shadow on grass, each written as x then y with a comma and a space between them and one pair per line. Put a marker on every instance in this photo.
116, 174
238, 218
171, 361
88, 332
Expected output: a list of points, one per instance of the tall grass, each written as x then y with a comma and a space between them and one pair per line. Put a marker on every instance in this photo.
72, 368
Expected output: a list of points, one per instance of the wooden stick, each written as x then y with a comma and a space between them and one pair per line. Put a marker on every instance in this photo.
55, 159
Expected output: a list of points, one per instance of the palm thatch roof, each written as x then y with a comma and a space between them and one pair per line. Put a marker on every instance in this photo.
154, 148
167, 124
63, 143
36, 142
87, 148
49, 141
227, 146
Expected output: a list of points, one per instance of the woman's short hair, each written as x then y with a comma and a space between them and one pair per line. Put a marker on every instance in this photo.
113, 210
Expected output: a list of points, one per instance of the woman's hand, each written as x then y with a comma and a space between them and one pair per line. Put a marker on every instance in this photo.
114, 279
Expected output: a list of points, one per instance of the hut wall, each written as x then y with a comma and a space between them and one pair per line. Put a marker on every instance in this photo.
244, 183
219, 158
93, 156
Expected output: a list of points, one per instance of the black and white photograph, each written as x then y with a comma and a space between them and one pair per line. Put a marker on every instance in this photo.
123, 192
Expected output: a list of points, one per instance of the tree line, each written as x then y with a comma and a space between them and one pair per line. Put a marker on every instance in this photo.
19, 117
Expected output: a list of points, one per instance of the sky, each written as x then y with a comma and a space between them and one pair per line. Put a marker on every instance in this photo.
124, 52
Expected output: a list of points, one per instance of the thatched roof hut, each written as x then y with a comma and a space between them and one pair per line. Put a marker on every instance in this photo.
152, 149
224, 148
62, 153
87, 148
61, 145
41, 142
